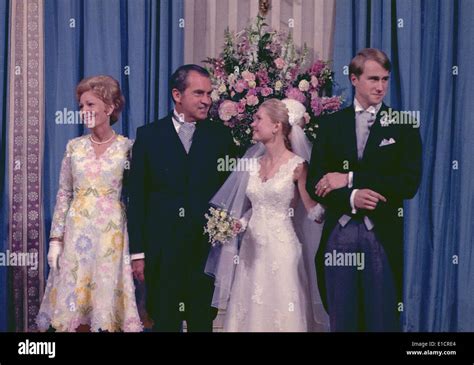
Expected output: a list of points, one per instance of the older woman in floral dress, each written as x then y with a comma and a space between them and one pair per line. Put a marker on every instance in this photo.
90, 284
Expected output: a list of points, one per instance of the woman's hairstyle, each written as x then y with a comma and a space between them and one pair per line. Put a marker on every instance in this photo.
107, 89
278, 112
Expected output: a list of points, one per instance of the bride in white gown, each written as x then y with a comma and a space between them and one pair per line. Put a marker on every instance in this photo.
271, 290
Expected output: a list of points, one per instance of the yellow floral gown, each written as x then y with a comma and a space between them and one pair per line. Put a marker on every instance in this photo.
94, 284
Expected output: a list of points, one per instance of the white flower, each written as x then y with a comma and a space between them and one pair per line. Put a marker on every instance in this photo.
252, 84
296, 111
214, 95
278, 85
232, 78
303, 85
385, 121
222, 88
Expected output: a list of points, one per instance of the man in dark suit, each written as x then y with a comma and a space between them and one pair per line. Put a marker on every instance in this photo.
363, 165
173, 176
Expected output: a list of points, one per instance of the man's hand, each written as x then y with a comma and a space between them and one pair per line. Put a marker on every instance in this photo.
138, 268
367, 199
329, 182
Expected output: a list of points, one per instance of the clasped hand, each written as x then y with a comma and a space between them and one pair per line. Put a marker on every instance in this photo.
329, 182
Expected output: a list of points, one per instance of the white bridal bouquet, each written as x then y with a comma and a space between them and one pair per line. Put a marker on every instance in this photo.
221, 226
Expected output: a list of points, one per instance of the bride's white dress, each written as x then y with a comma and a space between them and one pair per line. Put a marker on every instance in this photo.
270, 290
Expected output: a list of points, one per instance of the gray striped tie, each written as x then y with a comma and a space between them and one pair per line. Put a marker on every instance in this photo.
186, 131
364, 121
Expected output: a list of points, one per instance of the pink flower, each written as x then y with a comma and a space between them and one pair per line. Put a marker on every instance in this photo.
294, 73
241, 106
252, 100
280, 63
307, 118
227, 110
314, 81
105, 205
316, 106
248, 76
266, 91
331, 104
240, 86
317, 67
252, 92
262, 77
294, 93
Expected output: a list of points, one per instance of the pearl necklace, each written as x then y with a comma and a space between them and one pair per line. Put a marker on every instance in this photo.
103, 142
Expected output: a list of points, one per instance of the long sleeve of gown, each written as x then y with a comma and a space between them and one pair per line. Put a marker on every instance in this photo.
63, 197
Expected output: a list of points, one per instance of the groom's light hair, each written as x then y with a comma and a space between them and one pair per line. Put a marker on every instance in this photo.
356, 66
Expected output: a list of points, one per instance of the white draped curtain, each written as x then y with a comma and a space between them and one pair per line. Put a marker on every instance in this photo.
311, 21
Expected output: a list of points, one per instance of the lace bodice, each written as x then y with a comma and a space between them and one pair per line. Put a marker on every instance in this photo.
273, 197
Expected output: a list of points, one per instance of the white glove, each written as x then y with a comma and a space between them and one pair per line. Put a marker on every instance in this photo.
55, 250
317, 213
244, 222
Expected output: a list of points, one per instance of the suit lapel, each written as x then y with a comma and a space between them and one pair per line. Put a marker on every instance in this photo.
350, 137
171, 140
200, 139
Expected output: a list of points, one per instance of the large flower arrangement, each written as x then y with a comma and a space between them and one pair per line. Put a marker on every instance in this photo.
258, 63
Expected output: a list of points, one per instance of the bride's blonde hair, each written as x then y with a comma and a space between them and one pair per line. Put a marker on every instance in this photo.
278, 112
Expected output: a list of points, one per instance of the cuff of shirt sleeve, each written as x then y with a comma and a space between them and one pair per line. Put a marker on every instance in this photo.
350, 178
354, 210
138, 256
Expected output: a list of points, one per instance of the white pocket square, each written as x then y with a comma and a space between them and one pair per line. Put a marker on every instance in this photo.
386, 142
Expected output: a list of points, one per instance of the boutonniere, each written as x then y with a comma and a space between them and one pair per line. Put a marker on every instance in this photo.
386, 118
